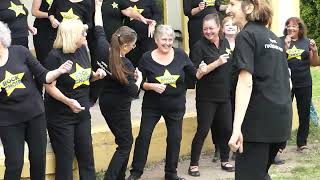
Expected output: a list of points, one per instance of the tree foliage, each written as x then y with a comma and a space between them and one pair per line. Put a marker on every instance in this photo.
310, 13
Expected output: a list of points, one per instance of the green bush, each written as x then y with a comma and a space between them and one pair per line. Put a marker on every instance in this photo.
310, 13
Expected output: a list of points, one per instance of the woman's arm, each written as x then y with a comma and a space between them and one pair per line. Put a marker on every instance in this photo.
222, 60
243, 95
35, 10
130, 12
54, 74
54, 92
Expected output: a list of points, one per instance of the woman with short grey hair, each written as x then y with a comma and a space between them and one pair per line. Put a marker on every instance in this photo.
164, 70
21, 107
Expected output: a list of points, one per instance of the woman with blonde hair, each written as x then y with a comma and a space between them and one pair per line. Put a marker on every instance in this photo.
67, 102
263, 88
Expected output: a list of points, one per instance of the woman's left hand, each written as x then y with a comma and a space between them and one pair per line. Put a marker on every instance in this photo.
236, 142
66, 67
151, 29
313, 46
99, 74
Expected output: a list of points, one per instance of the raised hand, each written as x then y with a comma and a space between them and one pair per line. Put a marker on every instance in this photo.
202, 5
313, 46
98, 3
287, 41
65, 67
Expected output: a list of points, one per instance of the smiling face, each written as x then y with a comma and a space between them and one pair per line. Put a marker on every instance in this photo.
235, 11
210, 30
229, 28
292, 29
164, 42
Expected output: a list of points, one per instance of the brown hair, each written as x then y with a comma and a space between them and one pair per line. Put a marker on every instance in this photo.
124, 35
227, 19
262, 12
212, 16
302, 27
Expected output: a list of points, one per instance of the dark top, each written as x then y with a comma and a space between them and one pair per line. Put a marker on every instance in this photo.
172, 75
83, 10
212, 7
44, 7
74, 85
14, 13
20, 99
214, 86
148, 9
113, 89
269, 114
112, 16
298, 56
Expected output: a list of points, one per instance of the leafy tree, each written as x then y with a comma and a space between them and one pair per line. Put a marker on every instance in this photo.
310, 13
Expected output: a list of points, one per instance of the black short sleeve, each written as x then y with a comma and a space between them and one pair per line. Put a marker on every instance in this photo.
244, 52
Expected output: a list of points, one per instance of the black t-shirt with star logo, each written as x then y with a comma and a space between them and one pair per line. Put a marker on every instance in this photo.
269, 113
14, 13
20, 100
148, 9
42, 23
112, 16
299, 62
64, 9
214, 86
172, 75
74, 85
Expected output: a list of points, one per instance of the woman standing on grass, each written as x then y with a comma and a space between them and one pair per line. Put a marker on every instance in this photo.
263, 112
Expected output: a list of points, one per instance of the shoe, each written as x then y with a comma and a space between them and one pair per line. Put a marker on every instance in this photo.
133, 177
173, 177
227, 167
278, 161
303, 149
194, 171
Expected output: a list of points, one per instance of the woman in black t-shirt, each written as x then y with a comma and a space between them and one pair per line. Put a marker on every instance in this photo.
145, 42
263, 112
213, 101
67, 102
301, 53
164, 70
14, 13
40, 40
120, 87
21, 107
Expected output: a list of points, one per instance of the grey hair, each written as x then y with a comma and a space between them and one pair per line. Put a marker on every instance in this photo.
162, 30
5, 35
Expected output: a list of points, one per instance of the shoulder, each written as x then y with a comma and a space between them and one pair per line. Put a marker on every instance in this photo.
179, 51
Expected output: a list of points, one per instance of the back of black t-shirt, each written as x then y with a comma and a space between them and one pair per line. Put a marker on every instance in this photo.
269, 113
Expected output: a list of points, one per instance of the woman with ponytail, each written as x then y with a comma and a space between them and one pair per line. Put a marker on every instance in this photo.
120, 87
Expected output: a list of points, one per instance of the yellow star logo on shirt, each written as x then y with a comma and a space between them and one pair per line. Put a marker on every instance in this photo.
18, 9
209, 2
294, 52
81, 76
69, 14
49, 2
114, 5
12, 82
167, 78
135, 7
228, 51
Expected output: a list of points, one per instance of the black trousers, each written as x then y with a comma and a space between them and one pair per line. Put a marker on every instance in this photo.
142, 45
303, 97
149, 119
23, 41
69, 138
118, 118
13, 137
255, 161
42, 46
217, 115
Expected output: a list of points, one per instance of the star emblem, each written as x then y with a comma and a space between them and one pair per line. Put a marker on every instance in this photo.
209, 2
135, 7
81, 76
18, 9
12, 82
228, 51
114, 5
69, 14
168, 78
294, 52
49, 2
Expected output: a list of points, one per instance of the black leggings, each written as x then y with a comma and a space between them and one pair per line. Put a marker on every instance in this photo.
13, 138
303, 97
217, 115
23, 41
149, 119
69, 138
118, 118
255, 161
